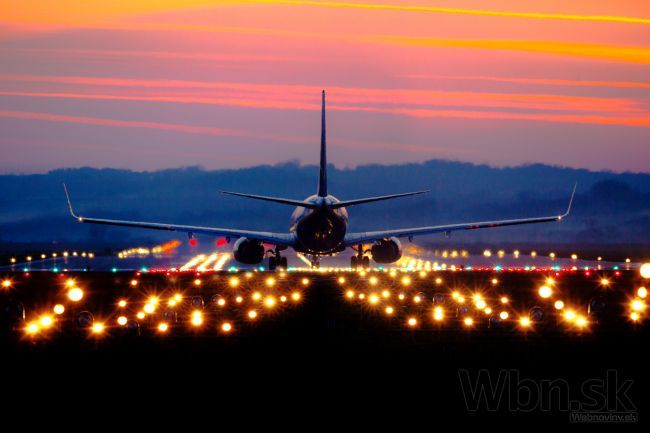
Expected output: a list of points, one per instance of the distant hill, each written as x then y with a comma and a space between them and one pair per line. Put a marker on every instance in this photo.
610, 208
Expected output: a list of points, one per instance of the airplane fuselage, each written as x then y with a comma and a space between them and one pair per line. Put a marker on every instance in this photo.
321, 230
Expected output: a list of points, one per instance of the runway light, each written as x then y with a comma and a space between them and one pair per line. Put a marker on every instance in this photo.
545, 292
233, 282
480, 304
171, 303
98, 328
558, 305
504, 300
504, 315
495, 281
134, 283
438, 281
296, 296
197, 318
283, 298
6, 284
362, 296
197, 282
221, 302
270, 282
239, 299
412, 322
645, 270
406, 281
642, 292
163, 327
389, 310
341, 280
417, 299
373, 281
455, 295
468, 321
256, 296
569, 315
75, 294
252, 314
604, 282
550, 281
373, 299
385, 294
487, 310
70, 283
438, 314
634, 316
305, 281
121, 303
140, 315
149, 308
59, 309
122, 320
524, 322
574, 257
226, 327
349, 294
581, 322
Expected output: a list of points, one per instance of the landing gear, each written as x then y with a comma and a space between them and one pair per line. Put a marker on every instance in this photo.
315, 262
276, 260
359, 260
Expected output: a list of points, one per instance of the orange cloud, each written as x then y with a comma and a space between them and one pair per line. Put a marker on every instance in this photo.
542, 81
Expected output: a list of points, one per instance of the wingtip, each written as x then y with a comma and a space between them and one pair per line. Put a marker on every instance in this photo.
573, 193
67, 196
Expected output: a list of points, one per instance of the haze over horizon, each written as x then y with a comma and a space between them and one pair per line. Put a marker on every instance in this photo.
158, 84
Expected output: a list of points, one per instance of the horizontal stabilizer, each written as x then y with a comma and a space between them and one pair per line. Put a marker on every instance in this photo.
347, 203
273, 199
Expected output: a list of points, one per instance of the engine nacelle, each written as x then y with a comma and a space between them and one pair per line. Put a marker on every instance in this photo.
248, 251
386, 250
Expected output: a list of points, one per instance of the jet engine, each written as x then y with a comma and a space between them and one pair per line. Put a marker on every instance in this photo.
248, 251
386, 250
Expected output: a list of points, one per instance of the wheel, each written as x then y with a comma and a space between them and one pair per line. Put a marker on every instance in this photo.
272, 263
353, 262
365, 261
283, 262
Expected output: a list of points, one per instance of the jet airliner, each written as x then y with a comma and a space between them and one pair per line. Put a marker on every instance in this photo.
319, 226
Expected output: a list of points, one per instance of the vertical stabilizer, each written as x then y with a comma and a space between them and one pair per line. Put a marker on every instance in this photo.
322, 177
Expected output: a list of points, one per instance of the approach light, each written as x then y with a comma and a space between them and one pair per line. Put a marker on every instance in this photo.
438, 281
645, 270
468, 321
283, 298
197, 318
178, 297
252, 314
97, 328
58, 309
270, 282
495, 281
524, 322
171, 302
503, 315
75, 294
349, 294
389, 310
642, 292
373, 281
221, 302
558, 305
32, 328
140, 315
122, 320
134, 283
239, 299
412, 322
149, 308
269, 302
438, 314
581, 322
417, 299
504, 300
121, 303
226, 327
401, 296
574, 257
545, 292
638, 305
385, 294
296, 296
197, 282
634, 316
256, 296
46, 321
305, 281
163, 327
480, 304
406, 281
6, 284
341, 280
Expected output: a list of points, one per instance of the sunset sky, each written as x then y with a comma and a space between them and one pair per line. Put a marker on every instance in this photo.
153, 84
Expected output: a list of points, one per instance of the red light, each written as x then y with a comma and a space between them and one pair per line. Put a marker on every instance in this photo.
221, 241
193, 242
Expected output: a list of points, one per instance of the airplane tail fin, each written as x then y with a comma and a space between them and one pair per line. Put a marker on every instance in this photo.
322, 176
346, 203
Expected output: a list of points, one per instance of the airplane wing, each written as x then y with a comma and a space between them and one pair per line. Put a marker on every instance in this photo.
267, 237
364, 237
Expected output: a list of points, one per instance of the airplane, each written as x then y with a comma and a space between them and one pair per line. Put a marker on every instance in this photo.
319, 226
